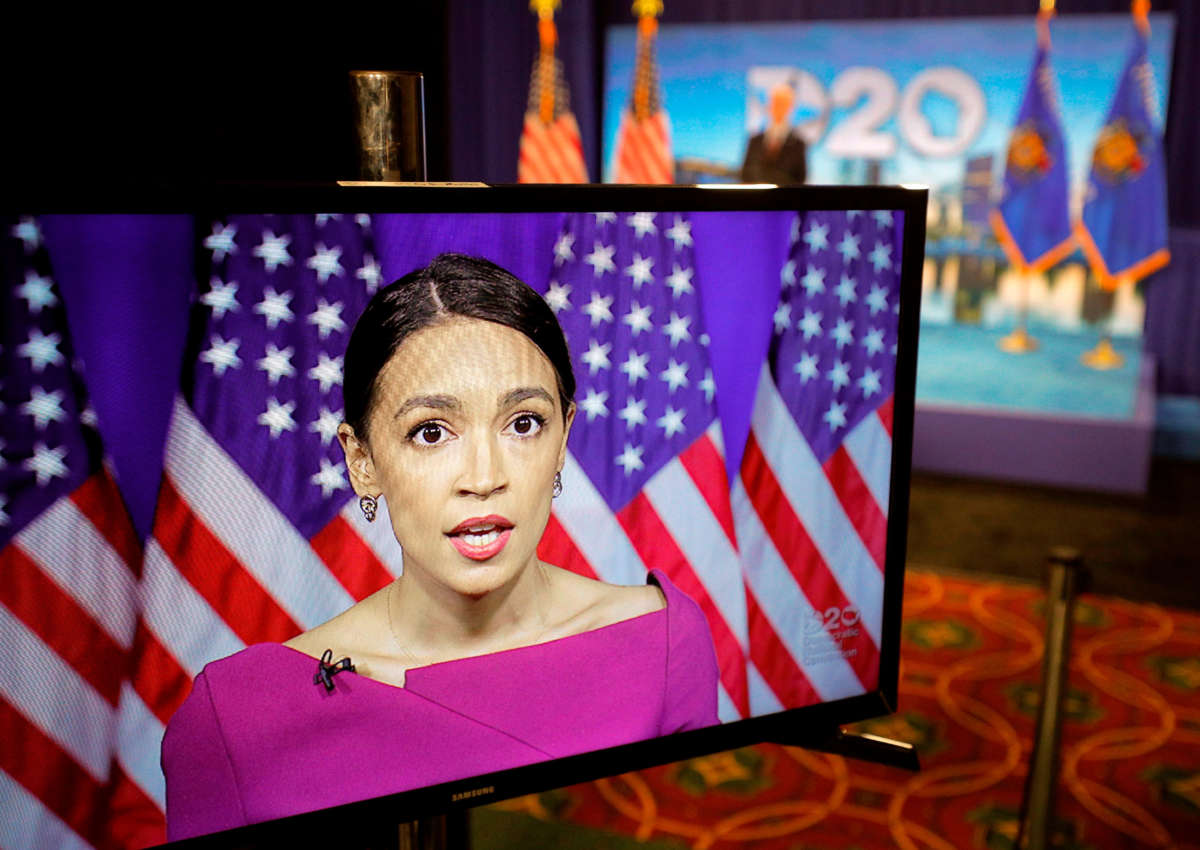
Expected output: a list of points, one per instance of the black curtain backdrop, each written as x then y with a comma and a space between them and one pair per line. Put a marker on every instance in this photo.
492, 48
106, 99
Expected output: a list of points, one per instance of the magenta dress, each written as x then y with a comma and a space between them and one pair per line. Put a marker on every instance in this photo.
256, 739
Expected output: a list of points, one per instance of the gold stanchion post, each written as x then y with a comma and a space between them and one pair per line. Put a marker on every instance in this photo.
1064, 575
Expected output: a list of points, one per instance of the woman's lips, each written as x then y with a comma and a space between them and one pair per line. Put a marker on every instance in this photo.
480, 538
490, 544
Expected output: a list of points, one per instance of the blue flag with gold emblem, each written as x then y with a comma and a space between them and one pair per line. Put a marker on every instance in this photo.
1032, 222
1124, 226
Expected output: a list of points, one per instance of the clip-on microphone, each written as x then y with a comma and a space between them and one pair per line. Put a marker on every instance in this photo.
327, 668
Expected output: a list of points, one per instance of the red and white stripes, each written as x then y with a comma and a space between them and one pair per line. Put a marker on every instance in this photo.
643, 150
812, 538
67, 634
551, 152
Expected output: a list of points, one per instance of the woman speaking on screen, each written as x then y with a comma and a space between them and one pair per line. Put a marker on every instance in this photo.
480, 657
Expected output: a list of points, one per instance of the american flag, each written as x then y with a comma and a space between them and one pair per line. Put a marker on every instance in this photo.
256, 536
643, 148
645, 485
811, 500
68, 571
551, 149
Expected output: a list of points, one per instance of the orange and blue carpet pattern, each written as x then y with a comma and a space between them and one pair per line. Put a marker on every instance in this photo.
969, 687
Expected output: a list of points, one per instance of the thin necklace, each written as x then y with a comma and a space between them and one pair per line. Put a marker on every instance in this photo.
536, 638
392, 627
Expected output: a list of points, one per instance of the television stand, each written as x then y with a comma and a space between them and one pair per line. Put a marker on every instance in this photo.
855, 745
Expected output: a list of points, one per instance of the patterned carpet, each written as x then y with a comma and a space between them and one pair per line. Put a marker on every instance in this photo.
970, 673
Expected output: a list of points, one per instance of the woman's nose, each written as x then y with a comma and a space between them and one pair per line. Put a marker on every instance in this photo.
484, 473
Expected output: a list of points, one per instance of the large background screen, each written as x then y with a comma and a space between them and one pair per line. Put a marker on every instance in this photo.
932, 102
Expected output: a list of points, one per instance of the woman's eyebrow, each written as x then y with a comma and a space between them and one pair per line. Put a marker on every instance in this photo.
437, 402
522, 393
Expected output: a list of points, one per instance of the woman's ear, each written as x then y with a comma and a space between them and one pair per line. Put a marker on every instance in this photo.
562, 450
358, 462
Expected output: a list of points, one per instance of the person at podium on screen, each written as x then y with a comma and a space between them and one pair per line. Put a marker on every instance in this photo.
481, 656
777, 154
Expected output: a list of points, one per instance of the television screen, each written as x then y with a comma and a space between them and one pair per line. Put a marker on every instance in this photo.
607, 477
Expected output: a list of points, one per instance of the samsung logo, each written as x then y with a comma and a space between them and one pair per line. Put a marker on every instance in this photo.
474, 792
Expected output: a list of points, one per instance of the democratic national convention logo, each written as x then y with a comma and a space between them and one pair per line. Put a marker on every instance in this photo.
1029, 155
1121, 151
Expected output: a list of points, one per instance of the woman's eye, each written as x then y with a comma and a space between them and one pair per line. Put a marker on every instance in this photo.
428, 434
526, 425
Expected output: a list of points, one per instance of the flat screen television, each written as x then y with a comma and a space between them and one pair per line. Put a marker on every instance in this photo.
745, 363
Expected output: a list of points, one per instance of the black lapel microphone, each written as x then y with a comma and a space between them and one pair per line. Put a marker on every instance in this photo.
327, 668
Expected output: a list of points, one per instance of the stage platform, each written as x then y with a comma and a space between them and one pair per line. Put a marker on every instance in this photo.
1039, 418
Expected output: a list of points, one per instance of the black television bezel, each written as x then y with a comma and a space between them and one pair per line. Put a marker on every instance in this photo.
368, 822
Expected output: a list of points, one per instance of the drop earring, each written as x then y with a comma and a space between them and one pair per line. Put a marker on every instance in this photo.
557, 491
368, 505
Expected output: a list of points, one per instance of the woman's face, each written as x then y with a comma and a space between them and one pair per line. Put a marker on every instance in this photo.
465, 438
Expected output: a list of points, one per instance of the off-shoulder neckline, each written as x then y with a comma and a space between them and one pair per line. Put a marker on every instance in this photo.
420, 671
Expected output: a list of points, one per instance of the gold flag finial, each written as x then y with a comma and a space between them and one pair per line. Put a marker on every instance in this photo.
647, 8
647, 12
544, 8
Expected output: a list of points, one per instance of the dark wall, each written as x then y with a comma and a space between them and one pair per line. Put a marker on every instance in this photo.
231, 94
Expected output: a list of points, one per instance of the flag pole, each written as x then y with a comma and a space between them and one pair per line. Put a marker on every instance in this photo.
1020, 341
1104, 356
547, 37
643, 146
551, 150
647, 12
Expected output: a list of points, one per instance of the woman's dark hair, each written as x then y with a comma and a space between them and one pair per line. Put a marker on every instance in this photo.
451, 285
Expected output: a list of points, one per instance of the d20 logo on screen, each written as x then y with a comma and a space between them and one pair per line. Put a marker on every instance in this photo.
831, 634
867, 100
